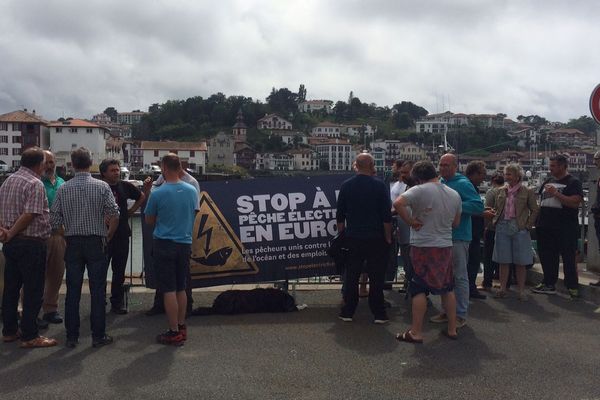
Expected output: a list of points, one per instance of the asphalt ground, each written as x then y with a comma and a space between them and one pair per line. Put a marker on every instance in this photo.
546, 348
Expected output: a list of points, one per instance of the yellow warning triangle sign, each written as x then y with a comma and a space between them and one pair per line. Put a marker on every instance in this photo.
216, 250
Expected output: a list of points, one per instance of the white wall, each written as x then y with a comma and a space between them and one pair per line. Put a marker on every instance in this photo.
10, 159
149, 157
67, 141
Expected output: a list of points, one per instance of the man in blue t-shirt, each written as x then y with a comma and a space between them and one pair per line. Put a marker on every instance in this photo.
171, 209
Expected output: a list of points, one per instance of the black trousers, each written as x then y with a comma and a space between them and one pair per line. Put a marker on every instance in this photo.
25, 268
117, 254
489, 267
555, 243
474, 262
392, 267
375, 252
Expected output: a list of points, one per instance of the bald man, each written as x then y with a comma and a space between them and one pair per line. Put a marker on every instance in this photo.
364, 214
461, 236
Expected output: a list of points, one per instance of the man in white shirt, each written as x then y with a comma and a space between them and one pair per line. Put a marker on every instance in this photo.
402, 230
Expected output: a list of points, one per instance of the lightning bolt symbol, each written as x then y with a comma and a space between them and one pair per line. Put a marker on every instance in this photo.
202, 232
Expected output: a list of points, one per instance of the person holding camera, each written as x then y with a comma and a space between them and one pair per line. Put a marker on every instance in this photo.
558, 227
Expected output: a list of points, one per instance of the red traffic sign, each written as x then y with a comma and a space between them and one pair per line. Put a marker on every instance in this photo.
595, 104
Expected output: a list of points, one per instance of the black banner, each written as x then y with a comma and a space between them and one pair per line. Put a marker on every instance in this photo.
264, 229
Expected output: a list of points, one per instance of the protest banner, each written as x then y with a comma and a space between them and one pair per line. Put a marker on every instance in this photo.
264, 229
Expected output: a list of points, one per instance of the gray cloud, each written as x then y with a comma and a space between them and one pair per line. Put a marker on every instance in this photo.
65, 57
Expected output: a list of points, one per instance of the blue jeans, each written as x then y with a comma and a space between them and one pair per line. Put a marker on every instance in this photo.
25, 267
460, 257
82, 252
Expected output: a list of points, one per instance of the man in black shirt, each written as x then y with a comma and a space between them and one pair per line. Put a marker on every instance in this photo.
118, 247
476, 173
557, 227
364, 213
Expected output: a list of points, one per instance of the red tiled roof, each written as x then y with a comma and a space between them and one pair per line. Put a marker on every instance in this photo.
173, 145
570, 131
318, 101
22, 116
300, 151
325, 140
328, 124
75, 123
269, 116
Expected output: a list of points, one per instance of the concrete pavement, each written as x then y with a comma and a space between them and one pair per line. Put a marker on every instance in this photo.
545, 348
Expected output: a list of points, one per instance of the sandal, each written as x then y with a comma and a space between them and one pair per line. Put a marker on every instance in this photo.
407, 337
40, 341
500, 294
449, 336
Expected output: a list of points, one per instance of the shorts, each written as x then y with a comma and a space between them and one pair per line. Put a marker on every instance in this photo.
512, 246
432, 270
172, 263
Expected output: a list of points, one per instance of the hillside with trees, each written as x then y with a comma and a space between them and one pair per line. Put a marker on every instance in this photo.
199, 118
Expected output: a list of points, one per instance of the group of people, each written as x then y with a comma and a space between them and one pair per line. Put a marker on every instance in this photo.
49, 226
434, 218
439, 220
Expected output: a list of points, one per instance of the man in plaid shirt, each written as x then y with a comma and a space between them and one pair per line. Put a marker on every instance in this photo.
82, 205
24, 230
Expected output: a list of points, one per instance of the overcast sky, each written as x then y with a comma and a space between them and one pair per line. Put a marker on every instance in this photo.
75, 58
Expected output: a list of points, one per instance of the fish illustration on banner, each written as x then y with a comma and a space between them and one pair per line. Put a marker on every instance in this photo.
216, 249
263, 230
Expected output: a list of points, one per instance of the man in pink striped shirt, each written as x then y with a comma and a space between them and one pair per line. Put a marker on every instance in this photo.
24, 230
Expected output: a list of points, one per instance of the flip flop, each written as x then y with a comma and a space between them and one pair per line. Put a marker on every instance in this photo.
407, 337
449, 336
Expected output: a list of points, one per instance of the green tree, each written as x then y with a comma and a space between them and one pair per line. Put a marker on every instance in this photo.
301, 93
584, 123
354, 108
112, 113
340, 111
534, 120
403, 120
283, 102
413, 110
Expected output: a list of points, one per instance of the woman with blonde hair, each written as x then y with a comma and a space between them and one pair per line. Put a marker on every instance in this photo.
516, 210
